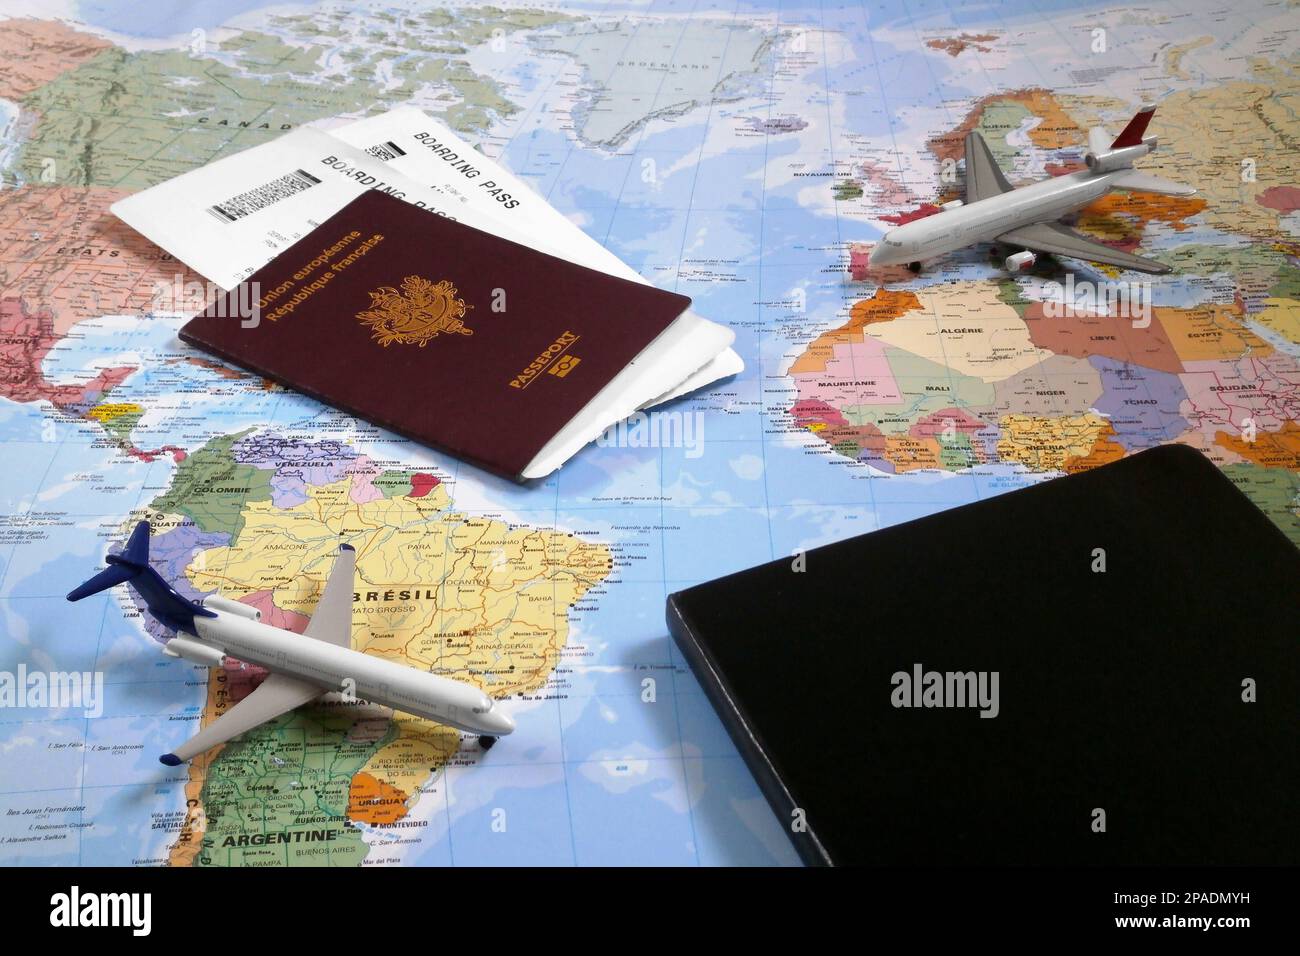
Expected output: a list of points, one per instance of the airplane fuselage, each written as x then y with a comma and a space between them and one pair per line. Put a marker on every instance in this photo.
334, 668
986, 219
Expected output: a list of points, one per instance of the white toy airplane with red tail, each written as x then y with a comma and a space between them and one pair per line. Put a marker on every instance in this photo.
1026, 217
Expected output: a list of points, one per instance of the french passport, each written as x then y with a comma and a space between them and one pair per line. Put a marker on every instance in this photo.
461, 340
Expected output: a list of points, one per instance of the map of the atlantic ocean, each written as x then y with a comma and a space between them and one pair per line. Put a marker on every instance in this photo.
744, 154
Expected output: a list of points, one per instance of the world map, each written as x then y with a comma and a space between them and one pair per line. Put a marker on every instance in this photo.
745, 155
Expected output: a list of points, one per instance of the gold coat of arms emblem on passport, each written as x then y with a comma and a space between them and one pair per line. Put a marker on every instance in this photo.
418, 313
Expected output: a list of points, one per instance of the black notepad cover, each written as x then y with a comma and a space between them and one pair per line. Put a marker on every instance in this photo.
1120, 691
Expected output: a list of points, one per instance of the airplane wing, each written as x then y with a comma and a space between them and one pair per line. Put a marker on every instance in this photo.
1061, 240
276, 695
1146, 183
332, 620
983, 177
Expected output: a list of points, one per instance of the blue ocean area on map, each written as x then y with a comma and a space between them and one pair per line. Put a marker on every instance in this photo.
865, 401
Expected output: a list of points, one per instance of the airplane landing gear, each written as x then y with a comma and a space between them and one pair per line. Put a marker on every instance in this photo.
486, 741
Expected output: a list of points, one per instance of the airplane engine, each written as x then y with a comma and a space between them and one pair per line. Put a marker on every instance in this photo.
1111, 160
217, 603
1021, 261
195, 651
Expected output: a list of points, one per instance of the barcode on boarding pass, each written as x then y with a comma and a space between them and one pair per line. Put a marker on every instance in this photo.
259, 197
386, 151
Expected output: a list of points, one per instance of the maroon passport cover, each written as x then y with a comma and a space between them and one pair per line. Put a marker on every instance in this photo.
435, 330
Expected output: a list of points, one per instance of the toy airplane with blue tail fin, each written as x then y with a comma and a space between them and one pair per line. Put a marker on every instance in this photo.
303, 667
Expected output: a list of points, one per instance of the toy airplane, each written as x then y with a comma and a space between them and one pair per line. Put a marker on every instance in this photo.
303, 666
1025, 217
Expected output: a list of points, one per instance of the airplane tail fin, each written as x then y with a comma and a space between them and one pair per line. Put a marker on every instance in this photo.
1136, 128
132, 564
136, 551
109, 577
121, 567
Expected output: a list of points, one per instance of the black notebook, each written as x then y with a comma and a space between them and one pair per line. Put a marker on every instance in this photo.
1104, 668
